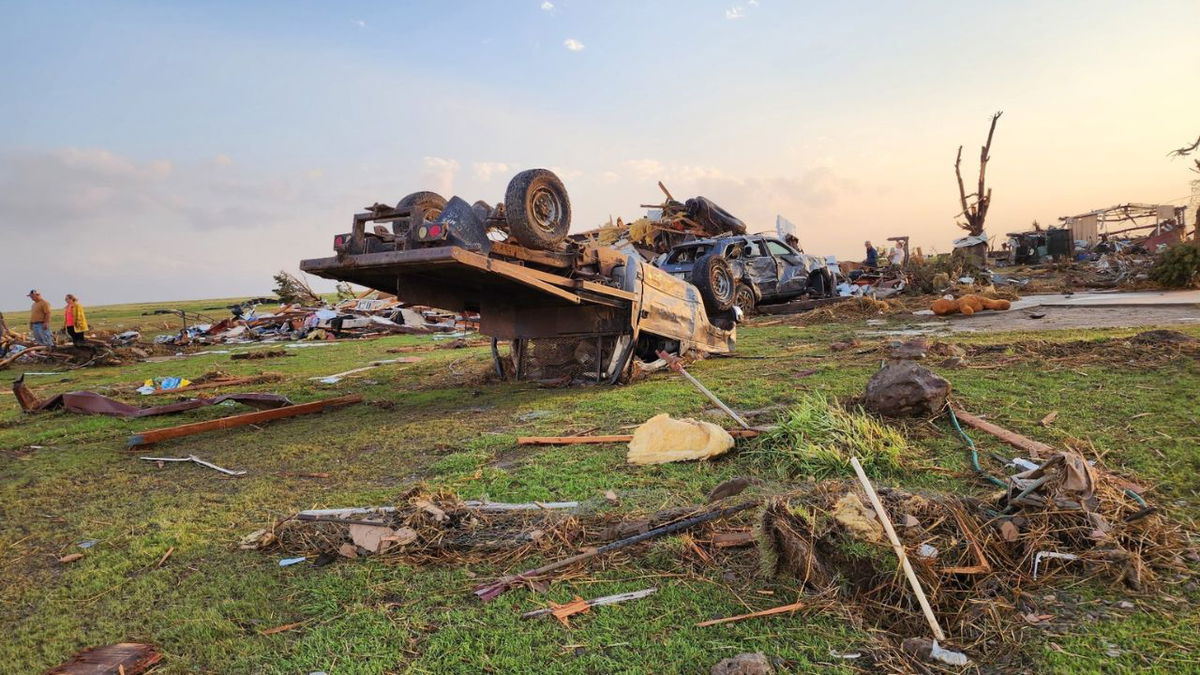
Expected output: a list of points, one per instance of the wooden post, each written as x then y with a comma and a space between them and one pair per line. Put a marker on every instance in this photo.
156, 435
899, 549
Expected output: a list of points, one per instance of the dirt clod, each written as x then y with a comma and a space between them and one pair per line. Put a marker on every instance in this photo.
744, 664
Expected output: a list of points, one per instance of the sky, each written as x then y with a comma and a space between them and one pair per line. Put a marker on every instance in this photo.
156, 151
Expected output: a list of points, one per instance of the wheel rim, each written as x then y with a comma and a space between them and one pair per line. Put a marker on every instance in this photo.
546, 209
723, 285
745, 301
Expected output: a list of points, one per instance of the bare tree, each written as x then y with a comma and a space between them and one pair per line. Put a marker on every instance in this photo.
976, 211
1187, 150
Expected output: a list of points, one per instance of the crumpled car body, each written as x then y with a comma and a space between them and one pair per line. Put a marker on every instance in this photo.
774, 270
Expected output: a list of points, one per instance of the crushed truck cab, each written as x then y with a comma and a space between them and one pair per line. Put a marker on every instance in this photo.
577, 310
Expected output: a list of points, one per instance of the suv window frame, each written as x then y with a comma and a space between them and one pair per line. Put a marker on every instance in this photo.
788, 249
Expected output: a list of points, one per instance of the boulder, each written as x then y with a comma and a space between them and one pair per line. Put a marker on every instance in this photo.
906, 389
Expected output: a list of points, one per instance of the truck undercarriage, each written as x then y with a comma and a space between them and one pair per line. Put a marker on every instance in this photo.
576, 310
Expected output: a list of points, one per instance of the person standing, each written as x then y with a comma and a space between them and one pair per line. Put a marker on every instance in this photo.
39, 320
75, 320
872, 256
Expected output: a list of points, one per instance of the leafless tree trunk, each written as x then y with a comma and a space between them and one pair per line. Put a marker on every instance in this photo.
976, 211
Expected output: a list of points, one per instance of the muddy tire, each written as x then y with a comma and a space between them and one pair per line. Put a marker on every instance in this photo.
537, 209
713, 277
431, 202
743, 298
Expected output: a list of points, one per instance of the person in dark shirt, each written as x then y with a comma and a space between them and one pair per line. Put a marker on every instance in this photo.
872, 256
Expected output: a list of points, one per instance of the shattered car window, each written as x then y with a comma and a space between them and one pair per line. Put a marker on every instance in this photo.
779, 248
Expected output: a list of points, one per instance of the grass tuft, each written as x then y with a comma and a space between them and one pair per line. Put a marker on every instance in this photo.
816, 438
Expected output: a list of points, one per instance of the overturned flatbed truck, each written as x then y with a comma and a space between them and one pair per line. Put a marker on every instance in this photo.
569, 310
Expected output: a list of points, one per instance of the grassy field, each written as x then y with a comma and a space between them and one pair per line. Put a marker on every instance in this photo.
133, 316
68, 478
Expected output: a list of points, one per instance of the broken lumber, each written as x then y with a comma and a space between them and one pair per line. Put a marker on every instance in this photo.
597, 602
156, 435
784, 609
615, 438
130, 658
24, 352
488, 592
1035, 449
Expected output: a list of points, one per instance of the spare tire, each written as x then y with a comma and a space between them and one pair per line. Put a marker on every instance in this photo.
713, 277
537, 209
430, 202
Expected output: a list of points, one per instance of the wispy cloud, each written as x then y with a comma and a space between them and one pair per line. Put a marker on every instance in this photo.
735, 13
484, 171
547, 6
359, 22
438, 174
752, 3
573, 44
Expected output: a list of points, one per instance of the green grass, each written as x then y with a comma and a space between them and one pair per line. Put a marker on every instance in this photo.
206, 606
815, 438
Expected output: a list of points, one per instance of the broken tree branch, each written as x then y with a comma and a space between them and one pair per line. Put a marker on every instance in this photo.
487, 592
784, 609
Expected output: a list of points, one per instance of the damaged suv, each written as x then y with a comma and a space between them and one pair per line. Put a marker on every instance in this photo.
748, 270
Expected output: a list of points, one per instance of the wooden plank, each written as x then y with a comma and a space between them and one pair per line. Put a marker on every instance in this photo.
1036, 449
130, 658
519, 274
540, 257
798, 306
508, 268
616, 438
156, 435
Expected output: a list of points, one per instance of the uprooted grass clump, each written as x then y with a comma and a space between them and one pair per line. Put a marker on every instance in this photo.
816, 438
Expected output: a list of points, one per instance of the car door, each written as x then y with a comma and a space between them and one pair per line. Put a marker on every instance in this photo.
793, 276
761, 267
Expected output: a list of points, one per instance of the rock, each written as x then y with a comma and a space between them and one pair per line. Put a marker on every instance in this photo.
906, 389
954, 362
946, 349
844, 345
917, 646
744, 664
912, 350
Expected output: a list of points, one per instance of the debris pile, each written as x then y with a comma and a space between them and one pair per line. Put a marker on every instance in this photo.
976, 560
1146, 349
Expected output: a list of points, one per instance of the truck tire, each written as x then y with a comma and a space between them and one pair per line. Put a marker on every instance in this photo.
537, 209
713, 277
431, 202
482, 209
743, 297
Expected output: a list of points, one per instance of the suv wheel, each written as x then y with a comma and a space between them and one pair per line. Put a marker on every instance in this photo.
743, 298
713, 277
